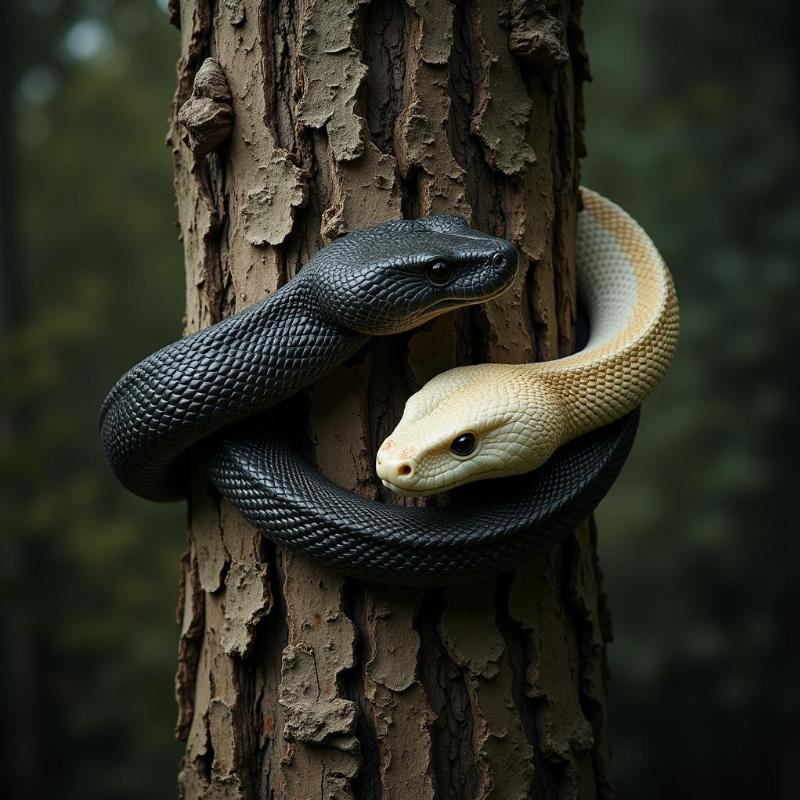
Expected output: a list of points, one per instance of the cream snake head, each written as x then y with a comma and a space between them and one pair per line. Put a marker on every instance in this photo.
490, 423
497, 420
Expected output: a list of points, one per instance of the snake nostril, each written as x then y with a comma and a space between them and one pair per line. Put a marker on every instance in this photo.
404, 471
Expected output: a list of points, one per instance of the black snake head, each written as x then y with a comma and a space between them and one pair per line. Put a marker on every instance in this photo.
397, 275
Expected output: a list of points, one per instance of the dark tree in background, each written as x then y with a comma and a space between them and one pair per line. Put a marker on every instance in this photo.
16, 668
86, 595
701, 139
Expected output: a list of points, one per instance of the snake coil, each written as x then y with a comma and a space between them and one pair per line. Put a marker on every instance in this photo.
175, 404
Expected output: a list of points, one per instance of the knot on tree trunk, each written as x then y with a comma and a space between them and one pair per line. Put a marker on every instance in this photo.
536, 36
207, 115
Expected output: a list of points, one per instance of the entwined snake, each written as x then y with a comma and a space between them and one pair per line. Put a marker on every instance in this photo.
386, 280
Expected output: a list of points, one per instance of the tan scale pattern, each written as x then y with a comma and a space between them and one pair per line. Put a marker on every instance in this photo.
521, 413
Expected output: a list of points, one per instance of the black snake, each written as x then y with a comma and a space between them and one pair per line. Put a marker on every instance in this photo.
379, 281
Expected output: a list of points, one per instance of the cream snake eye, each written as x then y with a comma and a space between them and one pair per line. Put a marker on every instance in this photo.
463, 444
439, 273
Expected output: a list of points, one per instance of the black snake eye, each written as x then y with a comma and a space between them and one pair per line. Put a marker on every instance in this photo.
498, 259
463, 444
439, 273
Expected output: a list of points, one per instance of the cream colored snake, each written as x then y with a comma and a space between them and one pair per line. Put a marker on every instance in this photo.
498, 420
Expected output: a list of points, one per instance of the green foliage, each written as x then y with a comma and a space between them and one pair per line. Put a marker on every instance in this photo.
693, 128
90, 573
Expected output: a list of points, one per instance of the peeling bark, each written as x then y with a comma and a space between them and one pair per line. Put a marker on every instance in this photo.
294, 682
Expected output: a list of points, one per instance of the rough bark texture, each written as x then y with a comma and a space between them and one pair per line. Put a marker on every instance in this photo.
292, 681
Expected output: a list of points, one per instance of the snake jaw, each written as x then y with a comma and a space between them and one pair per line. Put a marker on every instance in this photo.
406, 492
450, 304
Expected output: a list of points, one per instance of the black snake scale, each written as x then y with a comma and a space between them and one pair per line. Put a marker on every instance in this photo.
374, 282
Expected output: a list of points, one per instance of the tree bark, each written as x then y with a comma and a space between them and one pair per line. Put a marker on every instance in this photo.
294, 682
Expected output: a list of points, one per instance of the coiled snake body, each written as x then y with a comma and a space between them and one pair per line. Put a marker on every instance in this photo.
375, 282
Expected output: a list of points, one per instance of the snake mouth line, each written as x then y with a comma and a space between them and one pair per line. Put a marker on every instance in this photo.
405, 492
452, 303
416, 492
483, 475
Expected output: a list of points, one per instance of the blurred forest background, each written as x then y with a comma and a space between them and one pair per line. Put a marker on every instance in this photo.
693, 126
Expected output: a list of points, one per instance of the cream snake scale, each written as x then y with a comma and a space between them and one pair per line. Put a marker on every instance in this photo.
497, 420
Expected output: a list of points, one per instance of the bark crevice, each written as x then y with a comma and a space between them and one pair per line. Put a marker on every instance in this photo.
280, 20
482, 185
367, 783
384, 25
545, 778
445, 685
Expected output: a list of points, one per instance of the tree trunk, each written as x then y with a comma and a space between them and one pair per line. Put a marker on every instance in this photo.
347, 114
